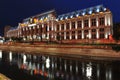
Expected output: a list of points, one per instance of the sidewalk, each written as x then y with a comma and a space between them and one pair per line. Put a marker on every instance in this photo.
3, 77
65, 50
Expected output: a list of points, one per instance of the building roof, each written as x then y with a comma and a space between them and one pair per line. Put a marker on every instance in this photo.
40, 16
88, 11
13, 28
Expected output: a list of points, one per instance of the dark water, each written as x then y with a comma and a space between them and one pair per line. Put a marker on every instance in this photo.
26, 66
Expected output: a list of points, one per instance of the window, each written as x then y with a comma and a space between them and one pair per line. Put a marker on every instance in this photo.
93, 36
79, 37
62, 26
49, 28
67, 33
73, 36
58, 27
67, 25
62, 37
45, 27
79, 24
85, 23
101, 21
73, 25
101, 36
85, 31
101, 30
62, 33
67, 37
93, 22
93, 30
73, 32
79, 32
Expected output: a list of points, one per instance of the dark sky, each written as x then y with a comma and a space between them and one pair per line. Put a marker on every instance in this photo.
14, 11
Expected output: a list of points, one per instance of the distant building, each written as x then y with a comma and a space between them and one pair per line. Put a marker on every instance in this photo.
13, 32
93, 24
6, 29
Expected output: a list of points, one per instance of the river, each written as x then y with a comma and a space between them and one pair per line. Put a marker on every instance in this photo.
30, 66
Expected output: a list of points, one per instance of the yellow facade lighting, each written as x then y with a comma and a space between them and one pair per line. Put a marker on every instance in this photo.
35, 20
93, 13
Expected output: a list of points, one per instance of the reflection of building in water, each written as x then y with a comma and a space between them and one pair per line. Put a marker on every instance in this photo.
89, 70
10, 56
93, 24
0, 55
62, 68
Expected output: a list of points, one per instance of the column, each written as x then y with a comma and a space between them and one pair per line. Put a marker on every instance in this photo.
55, 28
64, 35
105, 20
82, 34
76, 35
109, 21
89, 34
106, 33
97, 21
42, 36
60, 27
23, 32
52, 28
65, 26
70, 25
38, 32
82, 23
89, 22
97, 33
52, 25
55, 32
65, 31
48, 26
70, 35
76, 25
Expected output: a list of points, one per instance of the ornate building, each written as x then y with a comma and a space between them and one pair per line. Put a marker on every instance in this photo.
93, 24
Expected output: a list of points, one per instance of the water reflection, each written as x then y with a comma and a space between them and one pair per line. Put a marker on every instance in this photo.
61, 68
0, 54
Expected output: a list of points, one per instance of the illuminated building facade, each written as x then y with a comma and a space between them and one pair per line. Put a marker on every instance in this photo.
6, 29
88, 25
13, 32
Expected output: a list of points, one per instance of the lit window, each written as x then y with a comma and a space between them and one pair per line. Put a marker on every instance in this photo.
67, 25
93, 22
101, 29
101, 21
85, 23
73, 25
62, 26
79, 24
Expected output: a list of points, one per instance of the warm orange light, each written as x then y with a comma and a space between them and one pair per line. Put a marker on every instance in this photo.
35, 20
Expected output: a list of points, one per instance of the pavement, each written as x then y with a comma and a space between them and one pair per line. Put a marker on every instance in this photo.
92, 52
3, 77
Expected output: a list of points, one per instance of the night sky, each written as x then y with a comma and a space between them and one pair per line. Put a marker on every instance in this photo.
14, 11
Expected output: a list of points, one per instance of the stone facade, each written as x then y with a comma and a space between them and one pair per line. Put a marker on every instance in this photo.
88, 25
